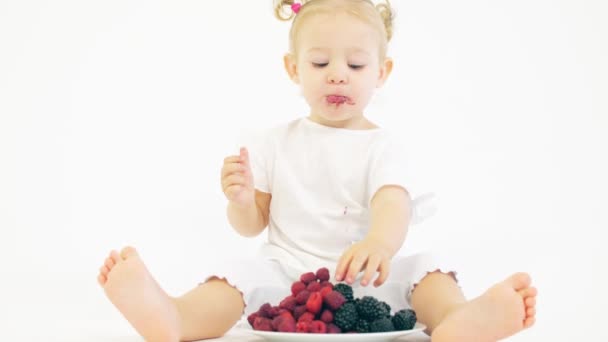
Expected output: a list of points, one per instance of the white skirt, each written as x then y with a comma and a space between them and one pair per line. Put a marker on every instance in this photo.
266, 281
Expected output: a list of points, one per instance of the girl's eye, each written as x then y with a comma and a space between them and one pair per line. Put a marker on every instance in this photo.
352, 66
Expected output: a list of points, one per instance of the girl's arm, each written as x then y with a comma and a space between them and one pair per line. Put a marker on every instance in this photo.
251, 220
390, 217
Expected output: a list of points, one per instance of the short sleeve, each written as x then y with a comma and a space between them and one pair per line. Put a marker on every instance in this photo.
260, 149
389, 166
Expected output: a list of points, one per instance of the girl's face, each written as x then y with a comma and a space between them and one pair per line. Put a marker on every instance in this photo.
337, 67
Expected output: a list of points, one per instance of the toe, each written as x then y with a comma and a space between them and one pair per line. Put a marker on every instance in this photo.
101, 279
128, 252
530, 301
104, 270
528, 292
528, 322
109, 263
519, 281
115, 257
530, 312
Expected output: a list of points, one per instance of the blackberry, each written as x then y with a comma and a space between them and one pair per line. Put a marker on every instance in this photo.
404, 319
346, 317
370, 309
362, 326
388, 309
346, 290
381, 325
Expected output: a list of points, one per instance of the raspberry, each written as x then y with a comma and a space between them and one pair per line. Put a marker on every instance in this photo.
302, 327
313, 286
289, 303
302, 297
297, 287
308, 277
318, 327
274, 311
333, 329
285, 322
334, 300
265, 310
325, 290
262, 323
275, 322
286, 314
306, 317
323, 274
327, 283
252, 318
327, 316
314, 303
287, 326
299, 310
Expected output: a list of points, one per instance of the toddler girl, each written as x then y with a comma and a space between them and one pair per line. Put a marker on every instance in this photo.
333, 190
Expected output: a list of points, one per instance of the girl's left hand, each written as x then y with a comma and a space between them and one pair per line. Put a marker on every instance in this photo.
369, 255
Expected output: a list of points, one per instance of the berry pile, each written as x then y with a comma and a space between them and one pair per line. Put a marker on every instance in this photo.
315, 305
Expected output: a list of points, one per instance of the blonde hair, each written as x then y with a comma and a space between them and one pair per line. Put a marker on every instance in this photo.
380, 16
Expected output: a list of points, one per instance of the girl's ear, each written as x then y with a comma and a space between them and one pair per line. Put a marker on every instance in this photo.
385, 71
291, 67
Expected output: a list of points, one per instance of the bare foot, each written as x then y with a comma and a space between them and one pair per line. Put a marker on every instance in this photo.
131, 288
503, 310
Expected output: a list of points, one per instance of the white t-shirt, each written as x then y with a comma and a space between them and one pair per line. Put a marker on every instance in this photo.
322, 180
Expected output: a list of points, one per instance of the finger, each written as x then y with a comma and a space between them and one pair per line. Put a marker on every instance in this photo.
244, 156
384, 270
233, 191
232, 159
356, 266
233, 168
342, 266
234, 179
372, 266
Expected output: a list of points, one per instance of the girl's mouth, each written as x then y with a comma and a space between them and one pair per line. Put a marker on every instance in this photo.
339, 99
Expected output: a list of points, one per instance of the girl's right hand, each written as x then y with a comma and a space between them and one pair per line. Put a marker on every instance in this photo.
237, 179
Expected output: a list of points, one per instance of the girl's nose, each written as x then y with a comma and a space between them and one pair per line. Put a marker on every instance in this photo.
337, 77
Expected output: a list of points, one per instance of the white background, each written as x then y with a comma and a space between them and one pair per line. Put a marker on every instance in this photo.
115, 117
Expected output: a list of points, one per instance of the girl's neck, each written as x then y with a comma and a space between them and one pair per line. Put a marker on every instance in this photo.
359, 123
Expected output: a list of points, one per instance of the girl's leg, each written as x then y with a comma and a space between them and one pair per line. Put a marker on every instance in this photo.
503, 310
435, 296
207, 311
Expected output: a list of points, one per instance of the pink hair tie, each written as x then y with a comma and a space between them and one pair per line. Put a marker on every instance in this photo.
295, 7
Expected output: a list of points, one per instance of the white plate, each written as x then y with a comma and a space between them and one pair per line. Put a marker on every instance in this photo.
296, 337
